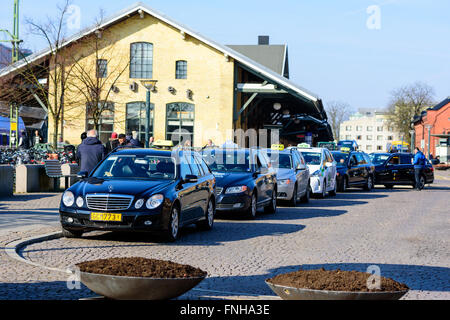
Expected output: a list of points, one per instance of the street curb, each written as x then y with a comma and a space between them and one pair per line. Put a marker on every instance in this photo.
12, 249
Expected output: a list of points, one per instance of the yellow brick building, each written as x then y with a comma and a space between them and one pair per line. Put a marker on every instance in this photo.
204, 88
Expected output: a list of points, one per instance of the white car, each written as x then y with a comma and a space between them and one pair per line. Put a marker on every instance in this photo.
322, 167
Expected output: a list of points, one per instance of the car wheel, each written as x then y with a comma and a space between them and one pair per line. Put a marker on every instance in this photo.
334, 191
369, 184
71, 233
174, 225
294, 199
422, 182
324, 190
307, 195
252, 209
209, 222
272, 207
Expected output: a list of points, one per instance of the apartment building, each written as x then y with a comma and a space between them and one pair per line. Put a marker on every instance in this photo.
370, 129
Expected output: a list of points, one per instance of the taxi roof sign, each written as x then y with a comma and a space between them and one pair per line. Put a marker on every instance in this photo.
303, 145
279, 147
345, 149
163, 144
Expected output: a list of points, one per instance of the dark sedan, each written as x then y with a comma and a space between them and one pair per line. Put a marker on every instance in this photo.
354, 169
398, 169
141, 190
245, 180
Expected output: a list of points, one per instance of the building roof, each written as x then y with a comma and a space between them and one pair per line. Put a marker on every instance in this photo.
440, 105
273, 57
136, 8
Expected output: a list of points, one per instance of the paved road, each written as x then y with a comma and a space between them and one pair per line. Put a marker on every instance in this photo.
404, 232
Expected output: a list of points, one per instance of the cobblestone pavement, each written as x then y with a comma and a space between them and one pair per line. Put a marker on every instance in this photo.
404, 232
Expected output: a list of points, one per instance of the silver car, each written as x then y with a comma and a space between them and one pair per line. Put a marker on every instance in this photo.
292, 175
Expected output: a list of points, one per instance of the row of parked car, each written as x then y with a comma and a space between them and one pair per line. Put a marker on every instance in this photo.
164, 190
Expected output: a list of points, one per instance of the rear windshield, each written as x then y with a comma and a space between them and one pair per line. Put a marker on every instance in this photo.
378, 158
227, 161
136, 167
313, 158
280, 160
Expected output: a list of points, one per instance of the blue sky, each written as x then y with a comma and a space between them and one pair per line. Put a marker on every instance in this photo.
332, 52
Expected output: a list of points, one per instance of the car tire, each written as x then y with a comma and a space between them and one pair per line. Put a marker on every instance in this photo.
71, 233
422, 182
324, 190
208, 223
307, 195
334, 191
272, 207
294, 199
369, 184
251, 211
173, 227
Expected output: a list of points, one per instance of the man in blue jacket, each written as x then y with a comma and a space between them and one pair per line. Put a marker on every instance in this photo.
419, 164
90, 152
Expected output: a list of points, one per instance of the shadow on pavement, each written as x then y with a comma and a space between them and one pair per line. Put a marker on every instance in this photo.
56, 290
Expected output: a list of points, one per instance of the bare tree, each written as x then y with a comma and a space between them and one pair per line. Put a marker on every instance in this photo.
337, 112
406, 103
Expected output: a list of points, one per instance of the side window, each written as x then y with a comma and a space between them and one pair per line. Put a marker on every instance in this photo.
405, 159
302, 160
394, 160
194, 167
262, 160
360, 159
199, 164
367, 158
353, 160
203, 164
185, 169
296, 159
329, 156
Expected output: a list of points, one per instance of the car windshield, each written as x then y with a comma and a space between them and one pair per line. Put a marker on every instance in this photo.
280, 160
228, 161
378, 158
313, 158
136, 167
341, 158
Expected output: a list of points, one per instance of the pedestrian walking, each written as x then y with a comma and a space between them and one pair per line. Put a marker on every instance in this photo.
134, 141
90, 152
151, 141
112, 143
37, 138
24, 142
419, 163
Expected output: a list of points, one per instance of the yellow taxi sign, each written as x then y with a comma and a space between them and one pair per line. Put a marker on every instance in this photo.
303, 145
345, 149
279, 147
163, 143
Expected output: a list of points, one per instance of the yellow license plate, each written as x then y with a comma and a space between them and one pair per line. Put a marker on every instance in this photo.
103, 216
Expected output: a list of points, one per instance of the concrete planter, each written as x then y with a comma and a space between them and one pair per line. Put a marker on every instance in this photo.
32, 178
6, 180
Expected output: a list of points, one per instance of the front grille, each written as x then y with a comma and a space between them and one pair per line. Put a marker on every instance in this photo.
108, 202
218, 190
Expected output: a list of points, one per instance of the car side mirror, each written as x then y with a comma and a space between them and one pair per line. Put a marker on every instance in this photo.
190, 178
82, 174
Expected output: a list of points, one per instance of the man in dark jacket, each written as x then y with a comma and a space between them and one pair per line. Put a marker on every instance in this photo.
90, 152
419, 164
134, 141
112, 143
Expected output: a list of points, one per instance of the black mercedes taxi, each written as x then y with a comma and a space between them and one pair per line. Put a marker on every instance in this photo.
141, 190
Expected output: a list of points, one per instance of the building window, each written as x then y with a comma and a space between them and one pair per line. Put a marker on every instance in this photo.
390, 129
102, 68
136, 119
390, 138
181, 70
379, 138
348, 137
358, 138
348, 128
380, 129
359, 128
369, 128
369, 148
368, 137
379, 148
180, 122
105, 115
141, 60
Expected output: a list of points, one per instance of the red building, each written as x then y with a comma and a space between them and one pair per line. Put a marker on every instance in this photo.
433, 125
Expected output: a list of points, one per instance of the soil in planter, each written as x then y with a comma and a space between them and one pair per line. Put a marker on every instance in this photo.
334, 280
140, 267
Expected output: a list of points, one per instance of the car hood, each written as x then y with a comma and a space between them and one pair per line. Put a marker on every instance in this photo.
129, 187
225, 179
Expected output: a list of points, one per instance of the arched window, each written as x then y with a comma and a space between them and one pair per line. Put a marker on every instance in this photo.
181, 69
141, 60
180, 122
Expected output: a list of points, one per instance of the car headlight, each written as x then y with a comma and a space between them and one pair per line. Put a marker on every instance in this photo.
139, 204
284, 182
154, 201
316, 173
80, 201
68, 198
238, 189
